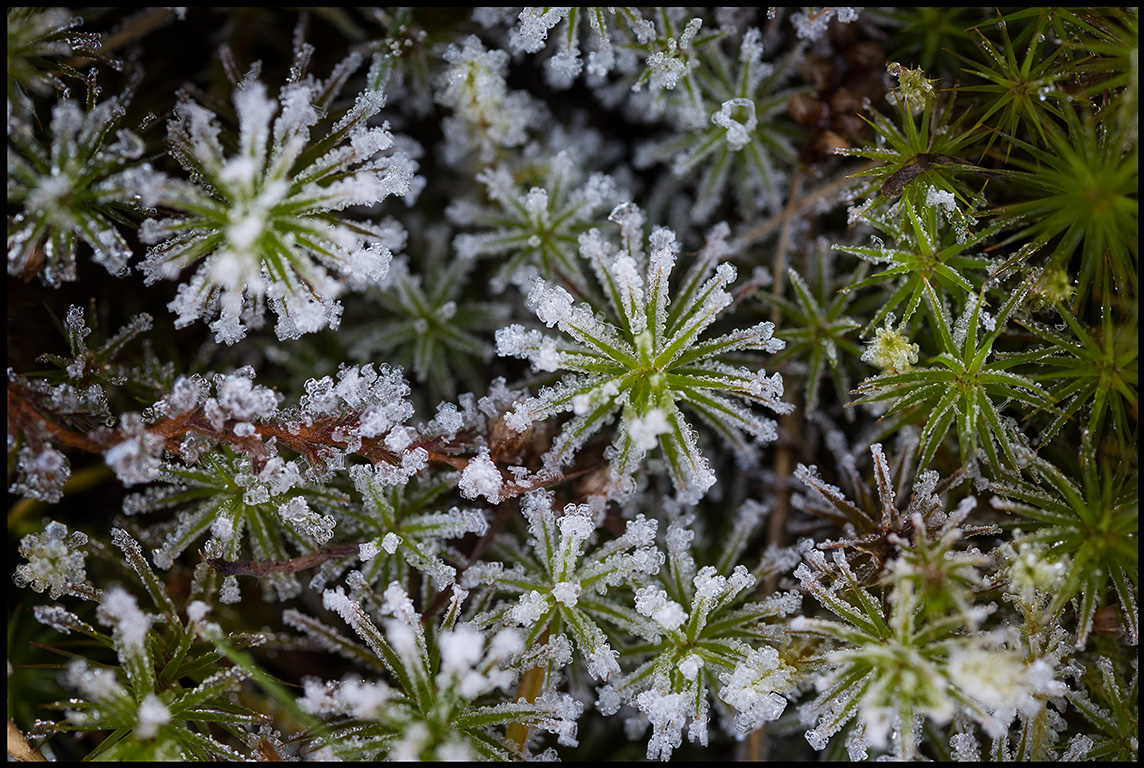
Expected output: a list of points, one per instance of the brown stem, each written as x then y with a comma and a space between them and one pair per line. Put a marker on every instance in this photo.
764, 230
262, 568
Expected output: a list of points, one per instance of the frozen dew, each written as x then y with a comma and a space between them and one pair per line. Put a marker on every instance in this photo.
411, 744
448, 421
668, 713
197, 611
296, 513
708, 583
576, 524
318, 697
95, 684
535, 24
120, 610
461, 649
756, 688
642, 337
261, 260
481, 477
151, 716
690, 667
812, 23
61, 619
41, 474
567, 593
187, 393
530, 608
653, 602
390, 542
563, 67
397, 603
552, 305
1078, 748
1002, 682
486, 115
228, 593
940, 198
738, 130
363, 699
601, 659
55, 561
965, 748
242, 399
644, 431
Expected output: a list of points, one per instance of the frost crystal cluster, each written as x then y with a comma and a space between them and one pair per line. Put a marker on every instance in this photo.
573, 383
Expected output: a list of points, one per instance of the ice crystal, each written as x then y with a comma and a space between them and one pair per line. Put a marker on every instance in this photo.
812, 23
55, 560
431, 328
756, 688
407, 529
121, 610
41, 475
481, 477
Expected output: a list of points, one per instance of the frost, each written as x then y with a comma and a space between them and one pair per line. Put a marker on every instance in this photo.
708, 583
601, 660
668, 714
644, 431
94, 683
690, 667
481, 477
738, 131
297, 514
448, 420
260, 259
812, 23
566, 592
41, 475
135, 460
756, 688
941, 198
643, 336
55, 562
530, 609
653, 602
120, 610
1002, 682
553, 305
1078, 748
61, 620
187, 393
486, 114
152, 715
397, 603
534, 26
72, 185
390, 542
